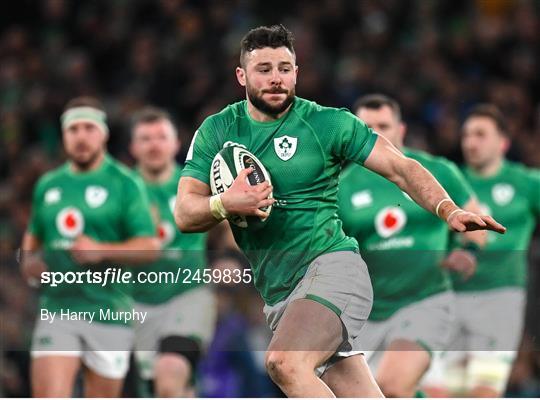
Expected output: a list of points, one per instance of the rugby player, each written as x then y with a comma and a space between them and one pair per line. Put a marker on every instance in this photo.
490, 305
315, 284
90, 212
181, 315
404, 247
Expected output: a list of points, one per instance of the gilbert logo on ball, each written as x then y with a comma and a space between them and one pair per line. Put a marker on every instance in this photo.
225, 168
389, 221
70, 222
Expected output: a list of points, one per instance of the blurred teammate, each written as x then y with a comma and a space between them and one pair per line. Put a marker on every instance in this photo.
90, 212
403, 246
315, 284
181, 315
491, 305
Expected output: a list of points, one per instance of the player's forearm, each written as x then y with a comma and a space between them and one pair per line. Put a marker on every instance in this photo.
423, 188
133, 251
192, 213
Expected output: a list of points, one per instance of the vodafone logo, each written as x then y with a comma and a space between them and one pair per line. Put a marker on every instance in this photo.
389, 221
70, 222
165, 232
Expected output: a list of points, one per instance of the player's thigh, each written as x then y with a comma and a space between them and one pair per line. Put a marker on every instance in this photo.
106, 350
56, 352
493, 318
351, 377
97, 385
401, 368
307, 332
53, 375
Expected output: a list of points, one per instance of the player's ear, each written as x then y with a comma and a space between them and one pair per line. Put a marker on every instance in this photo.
241, 76
402, 130
505, 144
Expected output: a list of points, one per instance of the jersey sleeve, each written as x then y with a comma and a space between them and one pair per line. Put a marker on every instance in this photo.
453, 181
355, 140
137, 219
201, 152
35, 225
534, 177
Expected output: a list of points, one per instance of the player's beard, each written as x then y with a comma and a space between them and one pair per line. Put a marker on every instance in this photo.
86, 163
260, 104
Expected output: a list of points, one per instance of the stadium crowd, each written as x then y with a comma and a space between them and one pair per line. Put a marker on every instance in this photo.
436, 58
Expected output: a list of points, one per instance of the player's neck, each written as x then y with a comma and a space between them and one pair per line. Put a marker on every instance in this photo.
260, 116
95, 164
489, 169
160, 176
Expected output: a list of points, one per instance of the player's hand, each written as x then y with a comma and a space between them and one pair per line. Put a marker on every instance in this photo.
32, 266
461, 261
465, 221
85, 250
243, 199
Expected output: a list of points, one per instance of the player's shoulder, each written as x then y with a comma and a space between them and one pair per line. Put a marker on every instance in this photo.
431, 161
519, 170
310, 109
116, 171
52, 177
224, 118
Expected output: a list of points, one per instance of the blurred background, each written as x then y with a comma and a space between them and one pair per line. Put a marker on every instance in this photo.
437, 58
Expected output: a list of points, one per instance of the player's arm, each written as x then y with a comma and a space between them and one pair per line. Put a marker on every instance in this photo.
197, 211
32, 265
137, 250
417, 182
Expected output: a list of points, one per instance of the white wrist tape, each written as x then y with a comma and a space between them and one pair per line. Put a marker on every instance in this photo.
217, 209
439, 205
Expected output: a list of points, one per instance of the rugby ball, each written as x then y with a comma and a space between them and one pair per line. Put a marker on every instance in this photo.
225, 168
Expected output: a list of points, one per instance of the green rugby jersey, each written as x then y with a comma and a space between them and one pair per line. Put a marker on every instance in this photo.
512, 197
108, 204
402, 243
179, 250
303, 152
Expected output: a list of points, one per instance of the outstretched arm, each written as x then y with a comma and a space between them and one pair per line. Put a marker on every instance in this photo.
417, 182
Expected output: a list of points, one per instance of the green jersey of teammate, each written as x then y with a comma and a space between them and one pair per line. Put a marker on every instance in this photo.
402, 243
513, 197
303, 152
179, 250
109, 205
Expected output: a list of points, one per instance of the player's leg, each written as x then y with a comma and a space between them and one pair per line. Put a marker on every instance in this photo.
97, 385
106, 358
307, 335
402, 365
351, 377
53, 375
413, 332
175, 363
495, 319
56, 352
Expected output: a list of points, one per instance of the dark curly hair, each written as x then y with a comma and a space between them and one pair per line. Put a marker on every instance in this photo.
266, 36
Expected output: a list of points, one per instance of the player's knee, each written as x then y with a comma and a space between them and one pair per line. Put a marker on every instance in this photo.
394, 388
173, 365
284, 367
